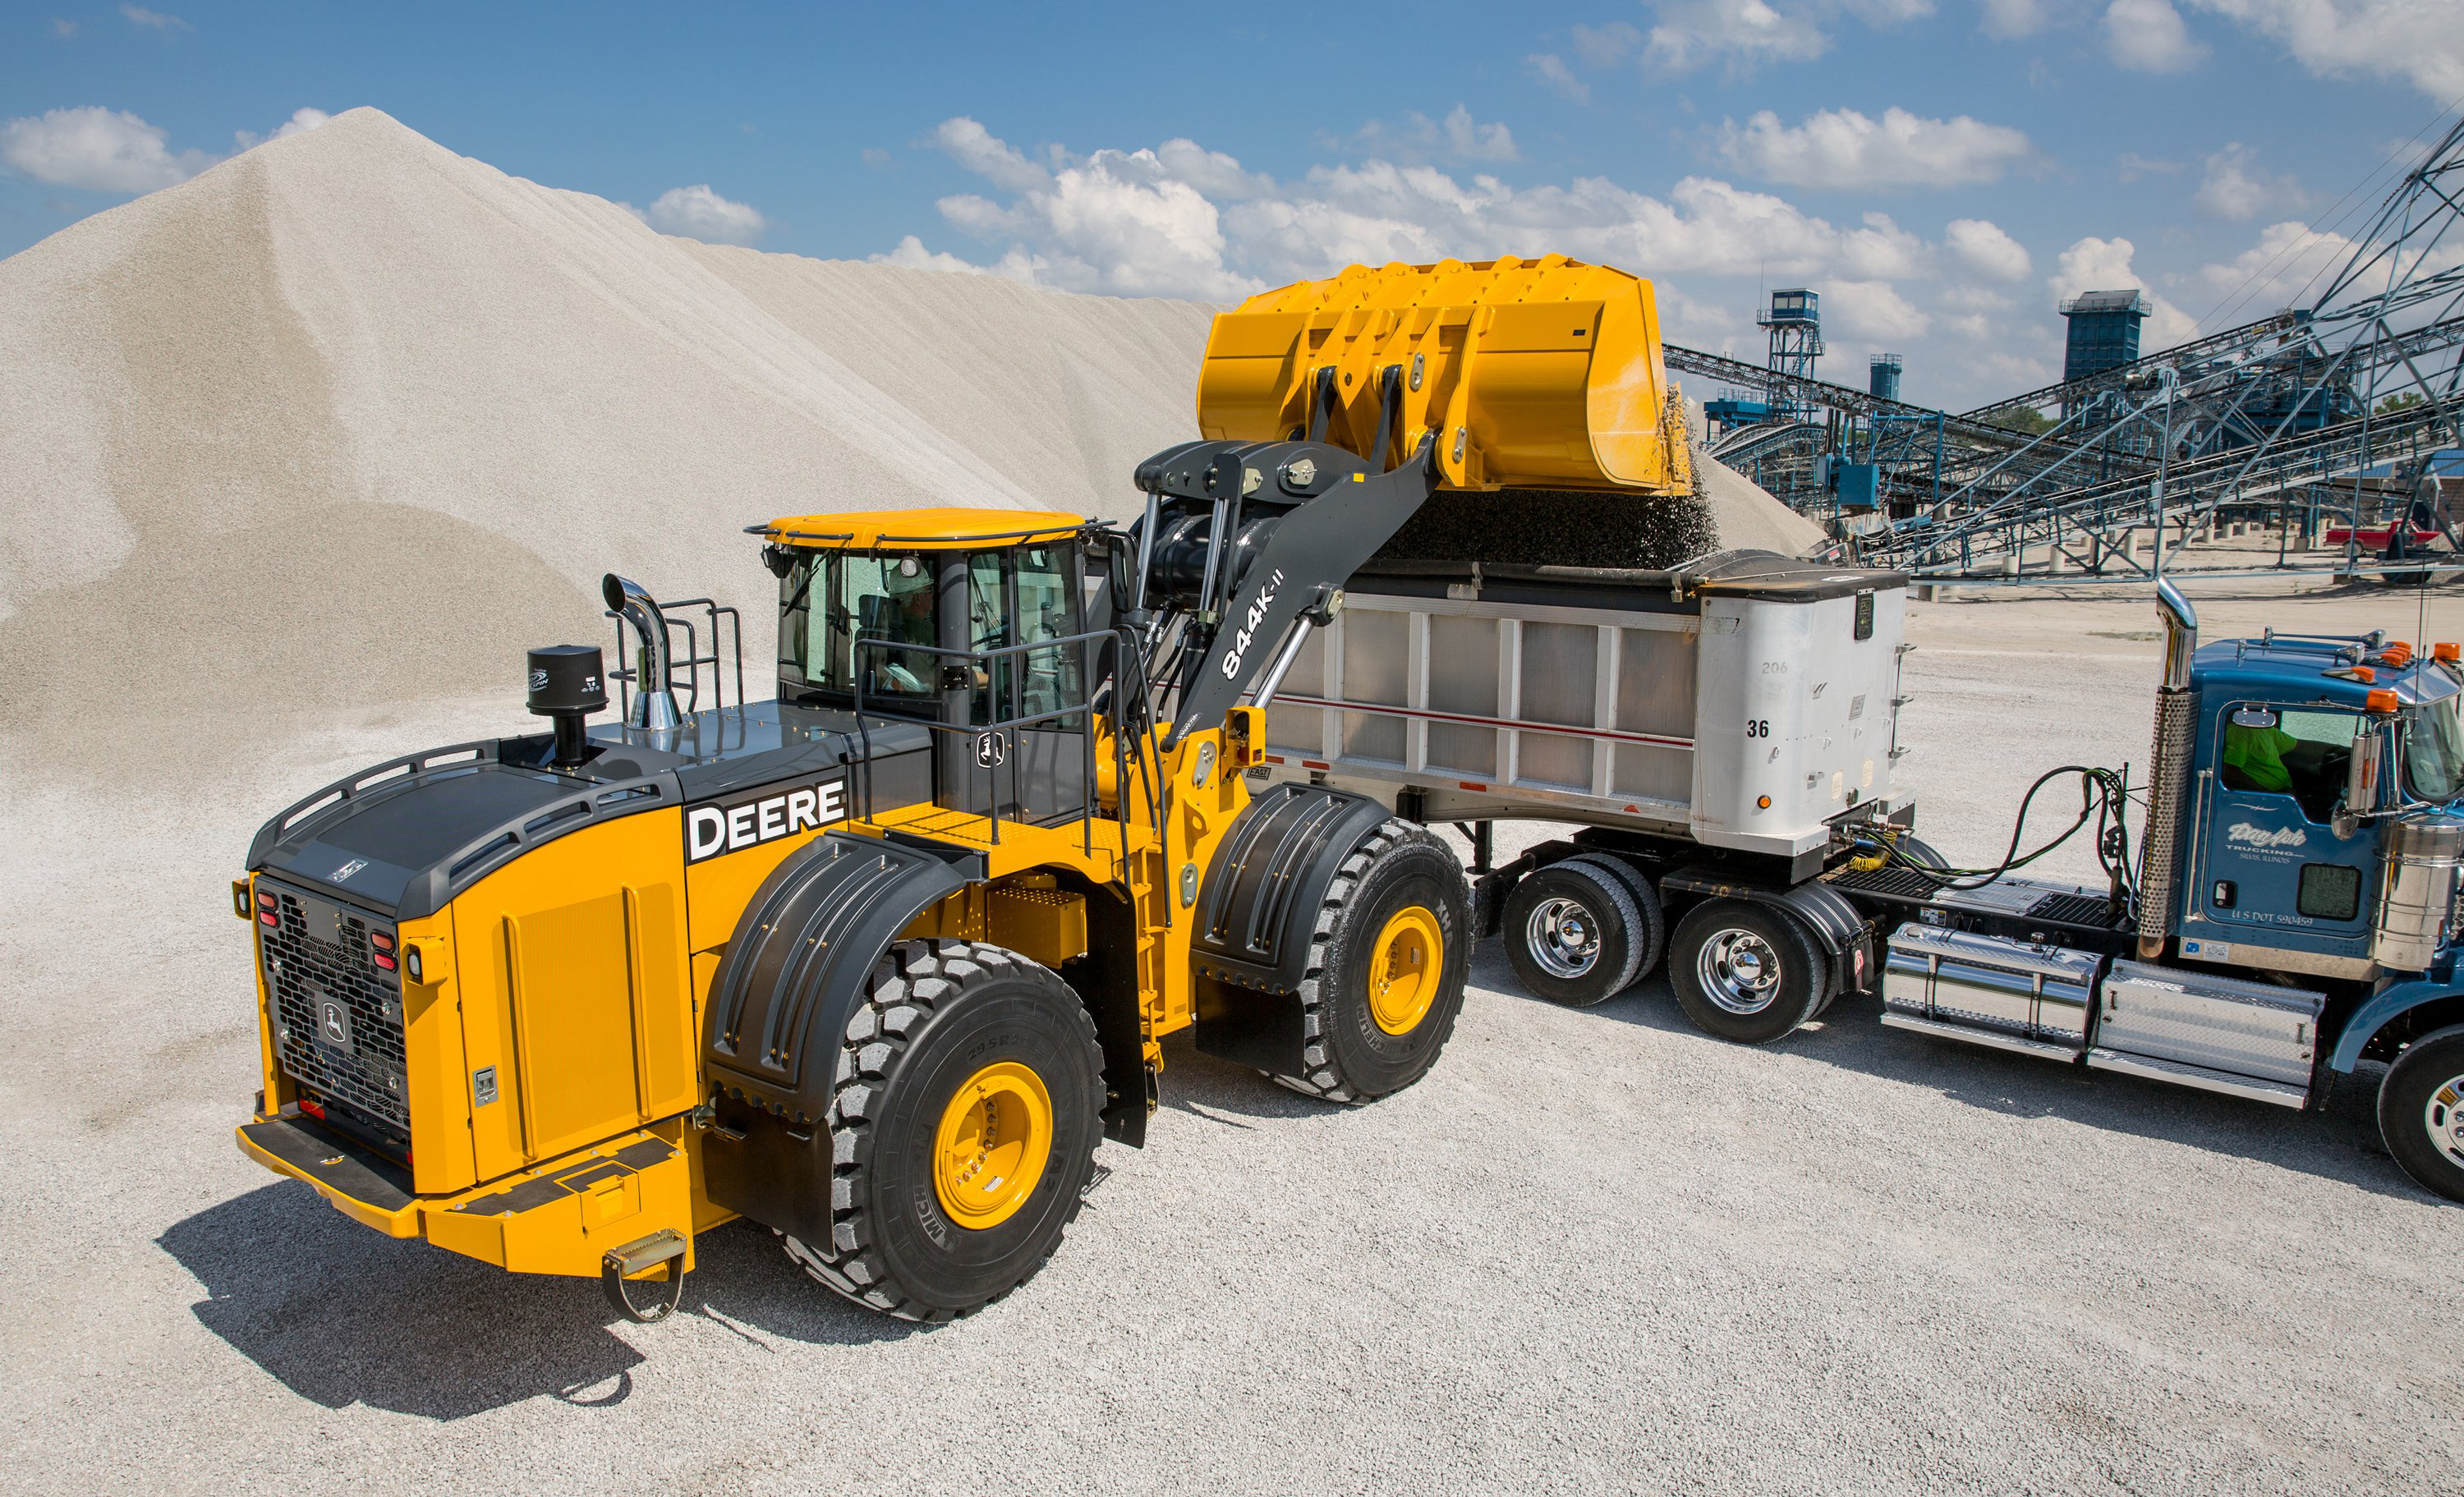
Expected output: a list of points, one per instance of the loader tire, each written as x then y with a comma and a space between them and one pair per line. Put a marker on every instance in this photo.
1386, 967
1576, 932
2421, 1112
963, 1127
1745, 972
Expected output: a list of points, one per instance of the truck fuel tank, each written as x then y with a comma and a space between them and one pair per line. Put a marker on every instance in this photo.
2417, 902
1990, 989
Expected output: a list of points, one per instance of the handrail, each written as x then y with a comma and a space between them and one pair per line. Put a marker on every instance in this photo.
1006, 728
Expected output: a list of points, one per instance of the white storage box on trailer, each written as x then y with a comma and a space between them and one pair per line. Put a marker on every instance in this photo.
1747, 702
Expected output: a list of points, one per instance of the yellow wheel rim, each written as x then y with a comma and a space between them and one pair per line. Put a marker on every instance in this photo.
1404, 969
995, 1138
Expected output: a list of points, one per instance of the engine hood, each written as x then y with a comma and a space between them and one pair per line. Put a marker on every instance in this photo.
403, 837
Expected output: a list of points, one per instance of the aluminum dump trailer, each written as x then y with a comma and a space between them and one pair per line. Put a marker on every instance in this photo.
1748, 703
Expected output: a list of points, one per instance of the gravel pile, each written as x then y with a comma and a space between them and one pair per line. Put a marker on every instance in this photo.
350, 418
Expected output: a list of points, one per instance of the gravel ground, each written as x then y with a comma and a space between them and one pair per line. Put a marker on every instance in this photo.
1594, 1251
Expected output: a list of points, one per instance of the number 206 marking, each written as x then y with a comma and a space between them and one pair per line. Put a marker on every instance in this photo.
1758, 727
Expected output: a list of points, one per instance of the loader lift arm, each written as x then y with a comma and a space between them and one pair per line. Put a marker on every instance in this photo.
1241, 538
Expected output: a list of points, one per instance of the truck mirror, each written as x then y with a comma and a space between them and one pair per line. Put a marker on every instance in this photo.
2360, 781
2252, 717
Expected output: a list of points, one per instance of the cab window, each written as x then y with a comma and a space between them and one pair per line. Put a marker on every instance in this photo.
837, 600
1021, 596
2434, 751
2306, 755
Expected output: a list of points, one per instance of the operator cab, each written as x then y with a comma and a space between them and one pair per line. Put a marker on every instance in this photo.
2315, 741
970, 622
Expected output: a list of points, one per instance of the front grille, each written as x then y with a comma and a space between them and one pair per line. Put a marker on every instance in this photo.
337, 1016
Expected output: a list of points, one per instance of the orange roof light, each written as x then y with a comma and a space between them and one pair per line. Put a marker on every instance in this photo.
2398, 653
2365, 675
2380, 699
2447, 653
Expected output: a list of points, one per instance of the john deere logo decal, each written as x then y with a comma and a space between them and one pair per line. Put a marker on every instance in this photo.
765, 815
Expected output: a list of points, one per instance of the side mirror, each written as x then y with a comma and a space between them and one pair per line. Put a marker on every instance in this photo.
2360, 780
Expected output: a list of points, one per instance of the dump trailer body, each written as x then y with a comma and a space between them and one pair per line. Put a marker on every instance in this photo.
1540, 373
1747, 703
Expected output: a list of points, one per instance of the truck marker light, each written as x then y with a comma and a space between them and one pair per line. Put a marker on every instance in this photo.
2365, 675
410, 963
241, 904
2445, 654
268, 918
2380, 699
1762, 803
380, 940
385, 961
1470, 785
313, 1108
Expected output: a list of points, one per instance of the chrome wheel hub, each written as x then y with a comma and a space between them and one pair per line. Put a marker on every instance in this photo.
2444, 1117
1739, 971
1563, 939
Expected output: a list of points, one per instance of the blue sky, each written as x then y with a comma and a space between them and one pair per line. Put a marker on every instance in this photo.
1942, 170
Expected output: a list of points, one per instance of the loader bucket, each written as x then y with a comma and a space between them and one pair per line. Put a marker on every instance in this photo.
1540, 373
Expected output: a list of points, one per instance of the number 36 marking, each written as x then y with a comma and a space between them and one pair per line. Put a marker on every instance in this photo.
1758, 727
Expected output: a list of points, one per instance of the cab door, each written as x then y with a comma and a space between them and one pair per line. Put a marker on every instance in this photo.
2270, 868
1025, 709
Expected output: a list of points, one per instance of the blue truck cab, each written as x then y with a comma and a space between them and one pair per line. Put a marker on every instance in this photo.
2294, 911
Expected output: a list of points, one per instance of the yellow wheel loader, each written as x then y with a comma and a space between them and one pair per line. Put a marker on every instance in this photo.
878, 962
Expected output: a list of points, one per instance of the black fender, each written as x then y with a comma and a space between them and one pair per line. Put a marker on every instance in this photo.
1257, 915
781, 999
1838, 927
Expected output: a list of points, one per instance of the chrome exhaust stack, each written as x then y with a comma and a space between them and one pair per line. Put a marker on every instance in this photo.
2168, 764
654, 698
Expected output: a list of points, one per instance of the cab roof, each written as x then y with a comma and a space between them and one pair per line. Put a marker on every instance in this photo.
919, 530
2327, 669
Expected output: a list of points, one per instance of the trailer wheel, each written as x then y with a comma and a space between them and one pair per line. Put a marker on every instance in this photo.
1386, 967
1646, 899
1575, 933
2421, 1112
963, 1126
1744, 972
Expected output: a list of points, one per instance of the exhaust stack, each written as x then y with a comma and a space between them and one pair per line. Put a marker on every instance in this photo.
654, 700
2168, 764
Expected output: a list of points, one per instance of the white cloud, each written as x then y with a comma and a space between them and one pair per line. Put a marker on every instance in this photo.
973, 146
2420, 42
1844, 149
1557, 78
2135, 167
1872, 310
2149, 35
63, 29
301, 122
2238, 189
2093, 264
154, 20
1687, 34
696, 213
99, 149
2006, 20
912, 256
2282, 269
1983, 247
1418, 137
